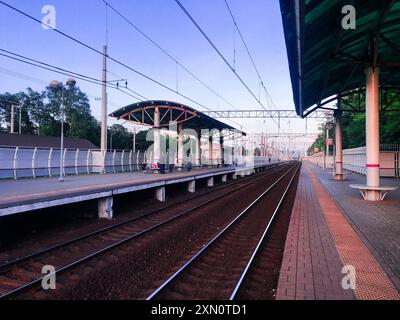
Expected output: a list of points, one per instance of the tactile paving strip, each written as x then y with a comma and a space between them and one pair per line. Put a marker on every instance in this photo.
372, 283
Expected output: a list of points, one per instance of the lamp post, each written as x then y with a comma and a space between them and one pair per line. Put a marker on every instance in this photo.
328, 126
59, 85
12, 119
20, 118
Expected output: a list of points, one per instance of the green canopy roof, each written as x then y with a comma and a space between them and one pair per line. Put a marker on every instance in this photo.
143, 113
327, 60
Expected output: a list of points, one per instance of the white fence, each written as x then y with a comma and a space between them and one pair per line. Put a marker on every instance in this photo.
355, 160
18, 162
318, 159
23, 162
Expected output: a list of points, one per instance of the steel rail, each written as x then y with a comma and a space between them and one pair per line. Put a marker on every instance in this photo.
19, 261
214, 239
118, 243
256, 250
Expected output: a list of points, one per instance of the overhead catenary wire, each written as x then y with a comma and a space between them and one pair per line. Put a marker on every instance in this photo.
46, 66
119, 78
186, 69
108, 56
178, 64
39, 81
244, 42
220, 54
268, 97
267, 94
97, 51
217, 50
22, 76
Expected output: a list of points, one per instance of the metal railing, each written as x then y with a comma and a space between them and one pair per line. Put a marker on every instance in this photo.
27, 162
390, 147
355, 160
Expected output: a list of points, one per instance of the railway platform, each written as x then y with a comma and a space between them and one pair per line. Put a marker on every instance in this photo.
339, 246
31, 194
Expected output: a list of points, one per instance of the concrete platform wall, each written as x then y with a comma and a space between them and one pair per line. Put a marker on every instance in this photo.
23, 196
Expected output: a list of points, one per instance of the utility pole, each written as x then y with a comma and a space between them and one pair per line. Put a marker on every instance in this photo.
103, 146
20, 107
12, 119
134, 139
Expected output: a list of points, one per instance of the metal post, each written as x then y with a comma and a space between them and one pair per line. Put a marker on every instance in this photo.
372, 132
76, 161
210, 149
221, 149
122, 160
64, 156
62, 134
88, 157
327, 148
156, 136
12, 119
49, 161
113, 160
198, 148
180, 145
19, 127
338, 140
15, 162
130, 160
134, 139
33, 163
103, 145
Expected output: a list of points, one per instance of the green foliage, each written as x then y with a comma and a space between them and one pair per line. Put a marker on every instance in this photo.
41, 114
353, 130
353, 123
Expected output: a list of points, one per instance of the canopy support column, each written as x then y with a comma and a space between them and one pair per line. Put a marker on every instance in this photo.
373, 191
338, 174
198, 148
221, 149
156, 136
180, 145
210, 149
372, 132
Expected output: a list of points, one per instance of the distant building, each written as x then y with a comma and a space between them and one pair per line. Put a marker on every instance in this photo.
28, 140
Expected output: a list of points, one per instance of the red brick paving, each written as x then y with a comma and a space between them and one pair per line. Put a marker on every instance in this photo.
311, 266
319, 243
372, 283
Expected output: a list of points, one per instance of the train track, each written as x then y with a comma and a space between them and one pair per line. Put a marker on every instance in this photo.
25, 273
220, 269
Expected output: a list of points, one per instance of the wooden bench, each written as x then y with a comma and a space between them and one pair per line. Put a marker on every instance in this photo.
363, 189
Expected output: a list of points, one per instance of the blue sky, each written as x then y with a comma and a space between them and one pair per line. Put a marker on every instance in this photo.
259, 21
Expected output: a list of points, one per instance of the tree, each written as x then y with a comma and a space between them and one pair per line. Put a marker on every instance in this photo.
141, 142
119, 137
353, 123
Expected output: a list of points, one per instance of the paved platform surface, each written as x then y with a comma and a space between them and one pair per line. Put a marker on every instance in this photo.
377, 223
322, 240
20, 191
24, 192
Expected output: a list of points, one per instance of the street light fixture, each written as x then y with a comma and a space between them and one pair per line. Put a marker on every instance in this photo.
71, 82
